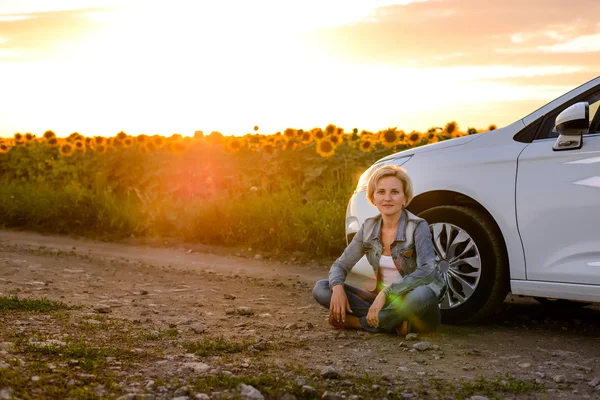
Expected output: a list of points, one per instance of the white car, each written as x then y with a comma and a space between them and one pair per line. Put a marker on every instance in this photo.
515, 210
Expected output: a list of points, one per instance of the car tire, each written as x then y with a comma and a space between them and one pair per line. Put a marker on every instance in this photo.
492, 283
560, 303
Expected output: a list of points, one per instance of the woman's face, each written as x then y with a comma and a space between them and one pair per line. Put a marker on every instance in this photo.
389, 196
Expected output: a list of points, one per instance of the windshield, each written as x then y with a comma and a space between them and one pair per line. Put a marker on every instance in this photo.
566, 95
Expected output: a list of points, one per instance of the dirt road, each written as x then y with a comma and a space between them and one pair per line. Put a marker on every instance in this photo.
191, 322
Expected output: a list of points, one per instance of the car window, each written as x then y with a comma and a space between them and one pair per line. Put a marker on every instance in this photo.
594, 112
548, 130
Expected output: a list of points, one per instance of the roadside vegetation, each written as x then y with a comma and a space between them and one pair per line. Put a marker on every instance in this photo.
280, 192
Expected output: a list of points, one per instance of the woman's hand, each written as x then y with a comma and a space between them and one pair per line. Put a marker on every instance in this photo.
373, 315
339, 303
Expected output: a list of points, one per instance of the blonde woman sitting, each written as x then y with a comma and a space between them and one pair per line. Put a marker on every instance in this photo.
399, 247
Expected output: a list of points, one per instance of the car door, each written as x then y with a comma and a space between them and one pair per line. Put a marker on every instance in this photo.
558, 205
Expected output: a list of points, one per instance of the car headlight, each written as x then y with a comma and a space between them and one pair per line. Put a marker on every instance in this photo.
364, 178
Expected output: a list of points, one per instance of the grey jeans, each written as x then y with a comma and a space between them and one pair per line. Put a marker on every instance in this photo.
419, 306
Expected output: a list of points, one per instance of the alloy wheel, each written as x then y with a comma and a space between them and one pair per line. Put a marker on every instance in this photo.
460, 261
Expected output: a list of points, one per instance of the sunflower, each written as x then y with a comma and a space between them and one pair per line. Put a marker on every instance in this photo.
291, 145
128, 142
325, 148
389, 137
53, 142
289, 133
254, 140
89, 141
269, 148
150, 146
74, 136
142, 138
318, 134
234, 144
215, 137
366, 145
414, 138
121, 135
335, 139
199, 135
329, 129
401, 137
79, 145
49, 135
306, 137
4, 148
116, 143
66, 149
451, 127
29, 137
158, 141
19, 138
142, 147
100, 148
492, 127
431, 137
364, 135
99, 140
178, 147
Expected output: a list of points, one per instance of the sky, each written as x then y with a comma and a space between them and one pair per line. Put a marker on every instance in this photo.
101, 66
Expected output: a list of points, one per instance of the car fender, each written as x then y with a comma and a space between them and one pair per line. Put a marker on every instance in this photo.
486, 173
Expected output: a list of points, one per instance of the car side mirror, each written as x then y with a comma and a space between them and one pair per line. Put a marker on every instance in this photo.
572, 123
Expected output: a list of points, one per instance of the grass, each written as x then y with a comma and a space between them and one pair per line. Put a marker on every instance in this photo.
89, 357
216, 345
37, 305
490, 388
170, 333
236, 219
56, 383
43, 208
270, 385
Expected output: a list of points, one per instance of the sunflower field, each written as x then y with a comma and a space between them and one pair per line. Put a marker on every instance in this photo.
279, 193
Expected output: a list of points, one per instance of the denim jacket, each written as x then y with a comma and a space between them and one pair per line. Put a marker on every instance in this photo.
412, 251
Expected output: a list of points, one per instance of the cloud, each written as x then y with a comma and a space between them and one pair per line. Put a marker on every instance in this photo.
44, 35
9, 54
10, 18
582, 44
444, 57
500, 33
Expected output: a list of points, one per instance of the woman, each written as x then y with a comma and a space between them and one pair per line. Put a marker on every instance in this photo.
398, 246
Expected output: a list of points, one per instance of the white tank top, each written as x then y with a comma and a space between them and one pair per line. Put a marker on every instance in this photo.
388, 271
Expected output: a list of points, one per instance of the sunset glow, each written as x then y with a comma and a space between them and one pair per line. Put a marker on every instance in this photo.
98, 67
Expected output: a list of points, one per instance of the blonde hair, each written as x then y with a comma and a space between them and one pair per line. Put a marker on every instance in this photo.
390, 170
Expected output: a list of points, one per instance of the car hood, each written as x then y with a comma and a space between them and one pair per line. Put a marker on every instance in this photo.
430, 147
